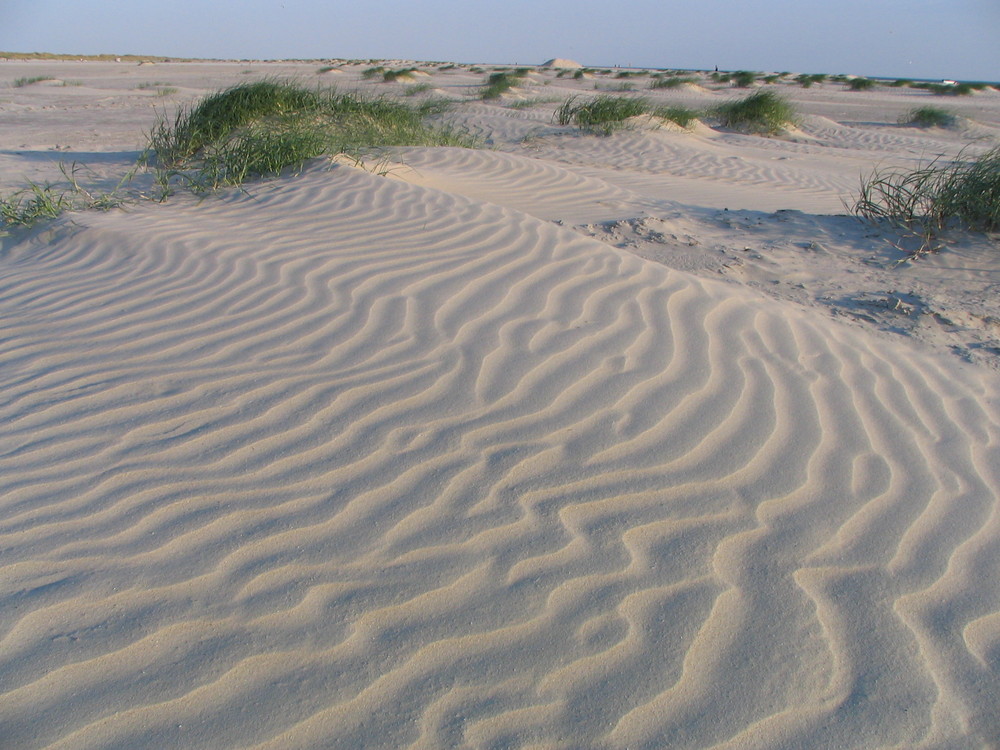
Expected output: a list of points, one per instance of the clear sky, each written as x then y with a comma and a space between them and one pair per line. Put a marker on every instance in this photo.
902, 38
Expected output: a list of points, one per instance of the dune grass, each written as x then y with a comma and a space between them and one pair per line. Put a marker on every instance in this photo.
671, 82
259, 129
743, 78
762, 112
37, 202
22, 82
403, 74
682, 116
949, 89
32, 204
419, 88
603, 114
501, 82
606, 114
927, 200
861, 84
929, 117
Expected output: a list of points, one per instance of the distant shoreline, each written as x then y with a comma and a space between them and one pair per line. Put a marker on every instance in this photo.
67, 57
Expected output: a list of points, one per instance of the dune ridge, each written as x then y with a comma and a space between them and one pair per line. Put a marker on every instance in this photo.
357, 462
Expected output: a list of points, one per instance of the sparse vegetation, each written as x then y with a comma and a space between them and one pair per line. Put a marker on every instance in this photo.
948, 89
419, 88
404, 74
671, 82
762, 112
743, 78
929, 117
861, 84
22, 82
931, 198
32, 204
259, 129
36, 202
501, 82
679, 115
603, 114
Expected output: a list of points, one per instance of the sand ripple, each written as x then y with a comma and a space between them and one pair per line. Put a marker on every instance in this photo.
360, 463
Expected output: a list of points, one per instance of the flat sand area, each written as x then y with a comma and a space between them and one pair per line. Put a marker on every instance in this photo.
570, 441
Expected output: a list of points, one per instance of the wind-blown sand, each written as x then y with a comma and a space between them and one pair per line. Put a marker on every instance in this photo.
568, 444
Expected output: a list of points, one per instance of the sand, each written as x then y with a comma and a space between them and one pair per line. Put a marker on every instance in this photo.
575, 442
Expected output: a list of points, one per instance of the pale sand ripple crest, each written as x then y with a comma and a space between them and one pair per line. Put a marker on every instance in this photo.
359, 463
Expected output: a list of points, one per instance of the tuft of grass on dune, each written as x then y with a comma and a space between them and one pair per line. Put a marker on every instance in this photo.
606, 114
861, 84
22, 82
678, 115
603, 114
671, 82
762, 112
501, 82
948, 89
36, 202
808, 79
934, 197
403, 74
929, 117
260, 129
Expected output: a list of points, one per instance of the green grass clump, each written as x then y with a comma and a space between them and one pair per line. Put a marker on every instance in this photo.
22, 82
861, 84
419, 88
33, 204
217, 116
900, 82
679, 115
375, 72
933, 197
949, 89
259, 129
36, 203
929, 117
672, 82
761, 112
804, 80
501, 82
603, 114
743, 78
404, 74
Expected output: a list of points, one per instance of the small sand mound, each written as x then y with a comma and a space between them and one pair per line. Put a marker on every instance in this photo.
559, 62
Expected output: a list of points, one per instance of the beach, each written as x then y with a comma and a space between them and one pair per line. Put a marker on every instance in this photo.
566, 441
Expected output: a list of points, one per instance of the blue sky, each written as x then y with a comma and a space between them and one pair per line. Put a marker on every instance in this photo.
903, 38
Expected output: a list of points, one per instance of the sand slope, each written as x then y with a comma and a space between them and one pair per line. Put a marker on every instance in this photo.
356, 462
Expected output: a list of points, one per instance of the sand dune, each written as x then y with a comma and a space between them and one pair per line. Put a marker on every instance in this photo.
348, 461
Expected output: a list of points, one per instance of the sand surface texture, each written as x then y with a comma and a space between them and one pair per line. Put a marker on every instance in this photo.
578, 442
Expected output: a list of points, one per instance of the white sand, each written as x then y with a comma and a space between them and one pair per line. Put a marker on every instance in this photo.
528, 447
